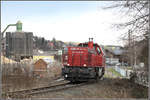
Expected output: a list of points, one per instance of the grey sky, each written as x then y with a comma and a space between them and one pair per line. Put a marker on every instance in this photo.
67, 21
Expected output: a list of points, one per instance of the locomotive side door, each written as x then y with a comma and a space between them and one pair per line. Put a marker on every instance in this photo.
99, 56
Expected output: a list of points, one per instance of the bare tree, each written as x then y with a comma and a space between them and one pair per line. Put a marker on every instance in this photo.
137, 13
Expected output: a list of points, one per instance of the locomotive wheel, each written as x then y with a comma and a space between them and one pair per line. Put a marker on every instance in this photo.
96, 76
103, 72
100, 73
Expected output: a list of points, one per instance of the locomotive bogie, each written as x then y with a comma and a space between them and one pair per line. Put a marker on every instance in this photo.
75, 73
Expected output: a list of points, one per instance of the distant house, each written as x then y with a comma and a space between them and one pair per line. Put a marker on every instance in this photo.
109, 54
44, 55
40, 67
114, 53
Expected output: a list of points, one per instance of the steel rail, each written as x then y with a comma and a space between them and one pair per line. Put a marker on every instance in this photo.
41, 90
33, 90
56, 88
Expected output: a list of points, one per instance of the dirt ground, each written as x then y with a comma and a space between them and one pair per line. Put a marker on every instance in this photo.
110, 87
107, 88
15, 83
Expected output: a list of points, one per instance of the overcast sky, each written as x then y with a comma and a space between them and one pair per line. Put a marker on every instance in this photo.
67, 21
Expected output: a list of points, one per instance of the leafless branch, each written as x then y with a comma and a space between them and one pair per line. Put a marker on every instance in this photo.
137, 11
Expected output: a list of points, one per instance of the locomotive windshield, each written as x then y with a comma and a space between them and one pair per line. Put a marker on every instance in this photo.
98, 50
85, 45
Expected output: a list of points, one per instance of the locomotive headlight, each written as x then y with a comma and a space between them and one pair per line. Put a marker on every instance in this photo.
66, 75
68, 64
84, 65
66, 57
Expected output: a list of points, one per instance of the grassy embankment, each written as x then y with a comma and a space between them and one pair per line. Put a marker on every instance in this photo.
110, 72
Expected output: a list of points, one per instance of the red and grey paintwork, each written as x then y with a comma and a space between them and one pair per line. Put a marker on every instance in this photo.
83, 62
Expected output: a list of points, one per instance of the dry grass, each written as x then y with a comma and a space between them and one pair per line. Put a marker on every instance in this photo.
108, 88
55, 69
20, 76
13, 83
5, 60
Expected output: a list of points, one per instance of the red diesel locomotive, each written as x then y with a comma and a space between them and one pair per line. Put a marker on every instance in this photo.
86, 61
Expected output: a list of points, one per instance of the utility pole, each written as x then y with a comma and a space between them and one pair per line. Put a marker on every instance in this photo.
129, 43
134, 37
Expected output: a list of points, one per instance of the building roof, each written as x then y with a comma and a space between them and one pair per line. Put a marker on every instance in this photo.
116, 50
44, 53
40, 61
48, 60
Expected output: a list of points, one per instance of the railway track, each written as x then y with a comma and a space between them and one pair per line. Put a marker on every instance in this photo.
35, 91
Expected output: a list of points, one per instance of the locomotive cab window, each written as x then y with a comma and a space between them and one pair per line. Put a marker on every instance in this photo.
98, 50
65, 50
